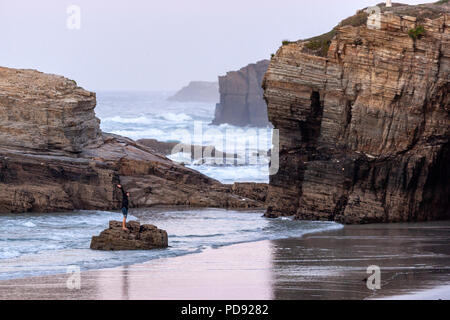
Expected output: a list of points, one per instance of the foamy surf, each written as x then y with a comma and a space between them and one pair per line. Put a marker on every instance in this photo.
62, 240
29, 224
149, 115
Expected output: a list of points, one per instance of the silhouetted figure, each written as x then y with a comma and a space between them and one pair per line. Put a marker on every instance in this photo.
125, 196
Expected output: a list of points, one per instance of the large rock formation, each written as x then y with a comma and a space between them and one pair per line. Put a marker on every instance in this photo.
198, 91
45, 112
54, 157
137, 237
241, 97
364, 119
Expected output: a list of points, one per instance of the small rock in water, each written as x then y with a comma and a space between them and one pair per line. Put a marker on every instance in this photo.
137, 237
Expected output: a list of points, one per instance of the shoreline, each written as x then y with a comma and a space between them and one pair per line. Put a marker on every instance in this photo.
414, 261
60, 270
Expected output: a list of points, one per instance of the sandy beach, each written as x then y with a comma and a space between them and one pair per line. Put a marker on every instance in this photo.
414, 260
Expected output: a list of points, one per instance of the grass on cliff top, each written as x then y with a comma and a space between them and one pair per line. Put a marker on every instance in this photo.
286, 42
321, 44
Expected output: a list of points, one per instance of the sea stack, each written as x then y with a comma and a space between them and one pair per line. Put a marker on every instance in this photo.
241, 97
364, 120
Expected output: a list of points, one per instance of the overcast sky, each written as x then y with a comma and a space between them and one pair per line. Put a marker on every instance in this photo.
157, 45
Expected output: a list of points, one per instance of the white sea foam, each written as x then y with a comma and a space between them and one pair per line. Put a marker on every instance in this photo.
8, 254
60, 240
150, 119
142, 134
176, 117
231, 174
137, 120
29, 224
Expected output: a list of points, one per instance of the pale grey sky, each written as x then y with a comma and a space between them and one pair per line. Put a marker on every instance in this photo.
158, 44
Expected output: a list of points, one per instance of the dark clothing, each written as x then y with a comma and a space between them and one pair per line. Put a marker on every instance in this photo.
125, 212
124, 199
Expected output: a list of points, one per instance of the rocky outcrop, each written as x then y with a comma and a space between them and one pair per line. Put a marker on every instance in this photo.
45, 112
162, 147
198, 91
364, 129
197, 152
251, 190
137, 237
54, 157
241, 97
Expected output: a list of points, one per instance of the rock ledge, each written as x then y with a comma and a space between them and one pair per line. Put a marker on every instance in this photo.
139, 237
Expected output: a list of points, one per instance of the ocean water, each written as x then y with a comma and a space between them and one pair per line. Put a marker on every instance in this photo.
149, 115
38, 244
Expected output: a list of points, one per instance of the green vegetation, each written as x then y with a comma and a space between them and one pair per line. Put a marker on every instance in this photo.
321, 44
272, 55
286, 42
321, 47
442, 1
417, 32
315, 44
359, 19
358, 42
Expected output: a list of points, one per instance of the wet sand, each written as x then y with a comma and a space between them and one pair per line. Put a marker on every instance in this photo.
414, 260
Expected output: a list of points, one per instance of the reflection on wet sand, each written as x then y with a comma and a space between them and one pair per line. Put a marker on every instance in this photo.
328, 265
227, 273
333, 265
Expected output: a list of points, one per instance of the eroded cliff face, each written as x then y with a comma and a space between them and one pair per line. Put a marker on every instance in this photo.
45, 112
364, 131
241, 97
54, 157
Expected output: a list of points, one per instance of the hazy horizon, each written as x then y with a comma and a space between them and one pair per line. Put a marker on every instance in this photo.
158, 46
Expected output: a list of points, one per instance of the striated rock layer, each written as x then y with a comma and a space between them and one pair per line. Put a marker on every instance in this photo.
44, 112
364, 131
54, 157
241, 97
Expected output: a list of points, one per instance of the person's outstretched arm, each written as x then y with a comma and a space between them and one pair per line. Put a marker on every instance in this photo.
121, 189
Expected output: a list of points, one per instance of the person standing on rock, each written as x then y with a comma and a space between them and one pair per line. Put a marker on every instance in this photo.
125, 196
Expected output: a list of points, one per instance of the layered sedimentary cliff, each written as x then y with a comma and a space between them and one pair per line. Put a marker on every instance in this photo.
198, 91
54, 157
364, 119
241, 97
